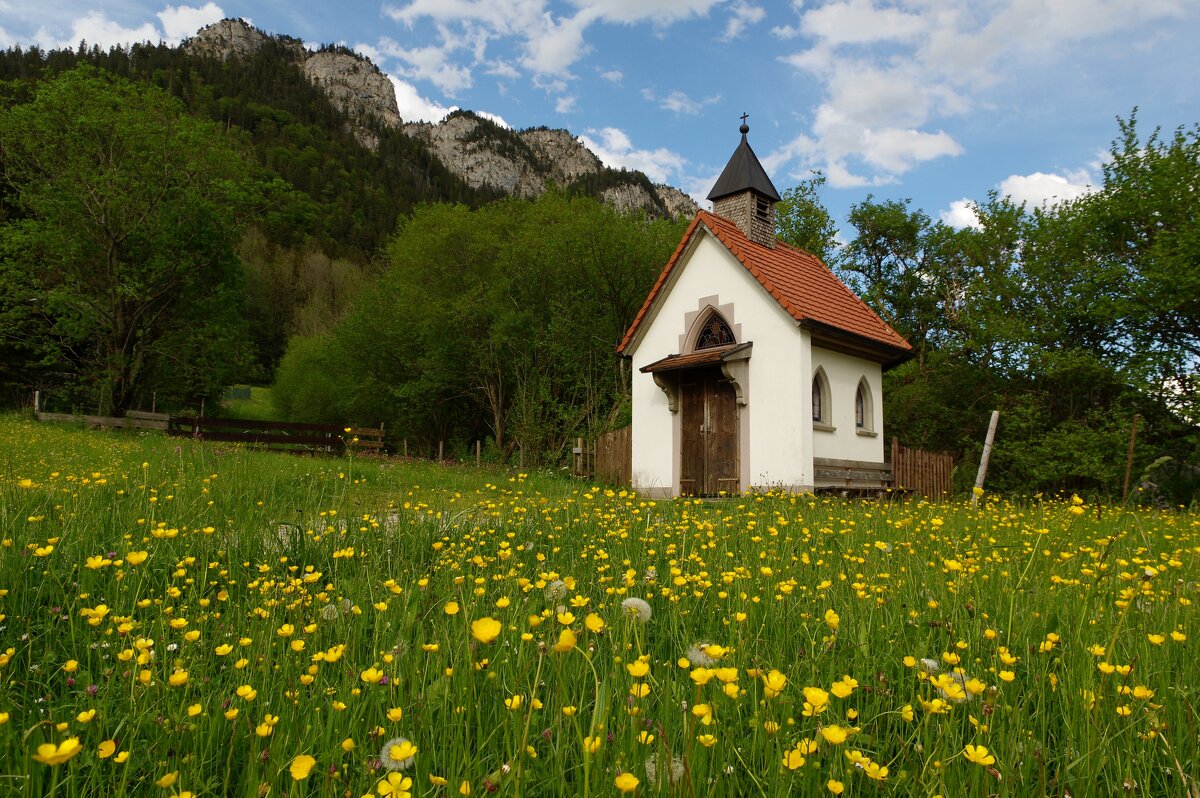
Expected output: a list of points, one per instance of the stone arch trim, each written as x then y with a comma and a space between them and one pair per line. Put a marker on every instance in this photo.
694, 321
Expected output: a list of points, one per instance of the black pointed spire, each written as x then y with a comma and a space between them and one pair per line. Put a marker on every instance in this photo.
743, 172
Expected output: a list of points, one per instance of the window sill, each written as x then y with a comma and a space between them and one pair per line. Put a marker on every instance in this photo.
822, 427
866, 433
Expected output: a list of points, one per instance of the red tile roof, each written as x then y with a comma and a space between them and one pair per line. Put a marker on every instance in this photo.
801, 284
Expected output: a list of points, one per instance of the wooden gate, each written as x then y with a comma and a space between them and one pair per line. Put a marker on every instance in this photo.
709, 433
926, 473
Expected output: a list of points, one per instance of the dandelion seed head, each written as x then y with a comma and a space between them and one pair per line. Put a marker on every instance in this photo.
637, 609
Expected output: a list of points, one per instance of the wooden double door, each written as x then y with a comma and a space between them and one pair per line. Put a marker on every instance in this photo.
709, 433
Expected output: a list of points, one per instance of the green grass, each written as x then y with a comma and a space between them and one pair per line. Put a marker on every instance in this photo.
257, 408
340, 595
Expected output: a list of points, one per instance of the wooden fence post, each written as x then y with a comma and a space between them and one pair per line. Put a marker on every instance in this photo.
477, 452
37, 398
441, 449
983, 460
1129, 457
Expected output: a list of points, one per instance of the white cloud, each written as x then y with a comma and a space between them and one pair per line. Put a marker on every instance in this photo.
97, 29
660, 12
613, 76
860, 22
369, 52
564, 105
1040, 188
551, 43
499, 120
415, 108
553, 47
430, 63
961, 214
893, 72
615, 149
741, 16
679, 103
1035, 190
180, 22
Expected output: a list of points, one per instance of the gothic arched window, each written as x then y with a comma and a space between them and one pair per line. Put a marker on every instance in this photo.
715, 332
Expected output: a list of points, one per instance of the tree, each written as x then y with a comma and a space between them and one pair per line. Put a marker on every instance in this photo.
124, 212
499, 323
803, 221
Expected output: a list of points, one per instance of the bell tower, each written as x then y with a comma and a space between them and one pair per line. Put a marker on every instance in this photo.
744, 194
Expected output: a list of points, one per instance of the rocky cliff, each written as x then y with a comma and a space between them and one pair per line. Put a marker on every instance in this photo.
518, 163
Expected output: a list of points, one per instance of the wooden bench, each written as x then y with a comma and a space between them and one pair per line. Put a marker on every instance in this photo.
830, 473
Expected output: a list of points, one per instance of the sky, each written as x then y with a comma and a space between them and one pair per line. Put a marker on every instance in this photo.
934, 101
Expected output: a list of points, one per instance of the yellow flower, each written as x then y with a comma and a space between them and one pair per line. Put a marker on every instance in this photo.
395, 714
247, 692
51, 754
843, 687
178, 678
302, 766
707, 740
638, 669
106, 749
485, 630
594, 623
979, 755
121, 758
626, 782
834, 786
566, 618
1156, 639
168, 780
397, 785
592, 744
793, 759
348, 744
371, 675
774, 683
834, 734
566, 641
71, 665
86, 716
514, 703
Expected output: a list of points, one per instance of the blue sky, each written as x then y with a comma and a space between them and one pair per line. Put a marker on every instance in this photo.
939, 101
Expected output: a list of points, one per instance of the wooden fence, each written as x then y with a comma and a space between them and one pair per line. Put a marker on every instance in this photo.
277, 434
608, 459
926, 473
134, 419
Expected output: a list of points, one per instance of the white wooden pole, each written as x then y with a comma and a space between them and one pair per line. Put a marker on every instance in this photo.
983, 460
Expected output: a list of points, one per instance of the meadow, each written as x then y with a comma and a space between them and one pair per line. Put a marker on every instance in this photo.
180, 618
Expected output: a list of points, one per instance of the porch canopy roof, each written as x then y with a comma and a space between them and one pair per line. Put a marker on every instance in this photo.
704, 357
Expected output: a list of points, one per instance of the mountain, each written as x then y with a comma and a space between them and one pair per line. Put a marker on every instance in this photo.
483, 154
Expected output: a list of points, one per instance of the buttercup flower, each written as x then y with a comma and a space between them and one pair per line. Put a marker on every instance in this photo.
398, 754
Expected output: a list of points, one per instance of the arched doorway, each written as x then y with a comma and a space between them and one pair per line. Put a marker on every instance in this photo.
709, 433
